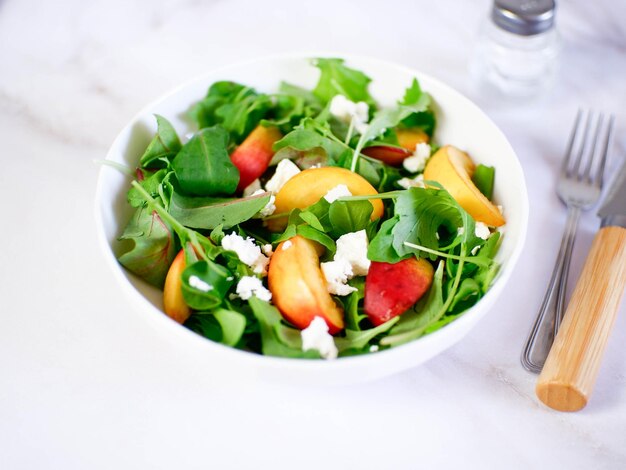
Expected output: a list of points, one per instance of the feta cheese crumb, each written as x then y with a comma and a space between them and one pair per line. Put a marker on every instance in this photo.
252, 189
316, 336
417, 161
337, 273
482, 231
286, 245
345, 110
269, 208
475, 250
249, 286
267, 250
247, 251
352, 247
285, 170
197, 283
417, 182
374, 348
341, 190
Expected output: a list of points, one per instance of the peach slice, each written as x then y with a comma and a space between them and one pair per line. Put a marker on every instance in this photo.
453, 169
298, 285
173, 302
409, 138
391, 289
309, 186
387, 154
254, 154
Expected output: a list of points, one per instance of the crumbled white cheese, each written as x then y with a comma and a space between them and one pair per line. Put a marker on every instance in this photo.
267, 250
316, 336
417, 161
197, 283
417, 182
337, 274
475, 250
285, 170
345, 110
249, 286
482, 231
374, 348
341, 190
247, 251
270, 207
352, 247
252, 189
286, 245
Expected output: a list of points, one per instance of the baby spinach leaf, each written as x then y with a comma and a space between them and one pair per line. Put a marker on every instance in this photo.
221, 325
153, 246
203, 167
352, 311
381, 246
311, 219
310, 141
163, 147
311, 233
209, 213
349, 216
216, 281
467, 295
483, 178
338, 79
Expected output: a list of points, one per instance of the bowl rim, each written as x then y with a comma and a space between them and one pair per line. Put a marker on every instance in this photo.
472, 315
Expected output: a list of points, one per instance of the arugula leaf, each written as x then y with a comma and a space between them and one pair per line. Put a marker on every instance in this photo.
380, 247
209, 213
338, 79
273, 332
220, 93
163, 147
311, 233
352, 311
307, 140
203, 167
222, 325
425, 119
359, 339
153, 246
241, 116
150, 181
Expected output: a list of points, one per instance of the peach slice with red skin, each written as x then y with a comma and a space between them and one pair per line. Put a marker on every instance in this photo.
453, 169
309, 186
254, 154
391, 289
394, 156
174, 304
298, 285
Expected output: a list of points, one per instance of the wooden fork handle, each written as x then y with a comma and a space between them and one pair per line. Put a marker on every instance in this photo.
571, 368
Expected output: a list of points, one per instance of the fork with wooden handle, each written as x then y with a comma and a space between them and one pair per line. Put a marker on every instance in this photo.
571, 368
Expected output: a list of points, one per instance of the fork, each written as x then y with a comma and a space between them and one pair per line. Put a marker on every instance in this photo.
579, 187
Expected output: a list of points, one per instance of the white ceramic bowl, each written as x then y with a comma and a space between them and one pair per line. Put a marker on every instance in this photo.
460, 123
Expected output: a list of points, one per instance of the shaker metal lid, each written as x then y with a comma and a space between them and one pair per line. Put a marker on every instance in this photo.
524, 17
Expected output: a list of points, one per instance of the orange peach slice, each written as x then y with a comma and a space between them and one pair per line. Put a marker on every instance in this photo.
409, 138
254, 154
298, 285
309, 186
453, 169
173, 302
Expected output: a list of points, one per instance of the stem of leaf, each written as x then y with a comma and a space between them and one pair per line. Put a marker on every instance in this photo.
447, 255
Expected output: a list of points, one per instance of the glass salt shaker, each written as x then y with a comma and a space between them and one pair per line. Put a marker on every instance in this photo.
517, 48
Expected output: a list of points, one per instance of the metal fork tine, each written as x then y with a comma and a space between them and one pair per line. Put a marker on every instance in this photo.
570, 144
583, 143
599, 176
593, 153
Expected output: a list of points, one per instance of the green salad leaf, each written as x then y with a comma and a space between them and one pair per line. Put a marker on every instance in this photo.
338, 79
203, 167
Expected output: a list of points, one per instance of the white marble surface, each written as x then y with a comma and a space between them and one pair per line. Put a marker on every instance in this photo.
84, 383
